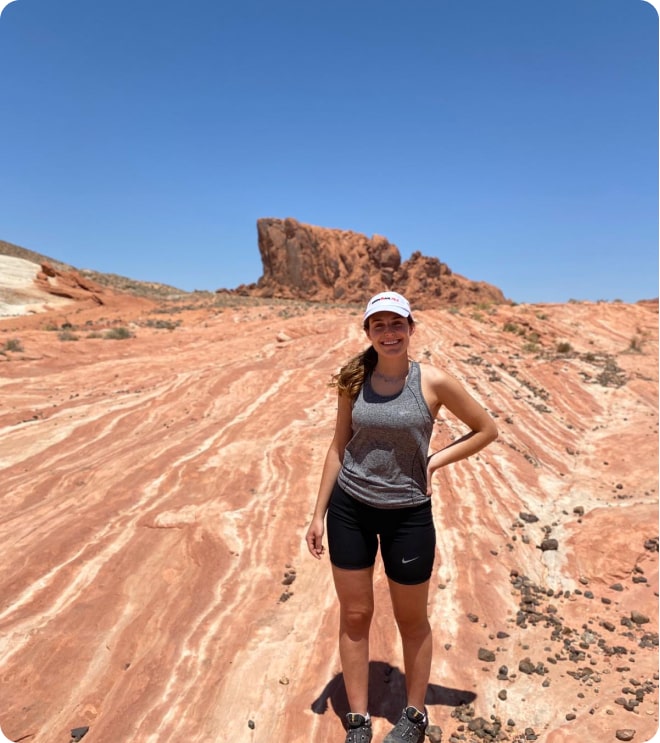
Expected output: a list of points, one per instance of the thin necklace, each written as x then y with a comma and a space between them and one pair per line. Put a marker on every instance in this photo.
389, 379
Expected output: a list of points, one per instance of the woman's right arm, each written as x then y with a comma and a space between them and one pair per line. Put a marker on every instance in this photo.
331, 467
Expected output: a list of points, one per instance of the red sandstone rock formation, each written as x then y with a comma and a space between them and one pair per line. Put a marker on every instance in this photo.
301, 261
61, 295
69, 284
30, 290
156, 490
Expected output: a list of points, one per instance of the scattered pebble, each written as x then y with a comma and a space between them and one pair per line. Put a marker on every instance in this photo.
526, 666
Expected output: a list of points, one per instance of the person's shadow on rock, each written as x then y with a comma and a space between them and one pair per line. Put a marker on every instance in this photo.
387, 694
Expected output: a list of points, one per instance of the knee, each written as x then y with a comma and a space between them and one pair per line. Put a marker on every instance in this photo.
411, 626
356, 620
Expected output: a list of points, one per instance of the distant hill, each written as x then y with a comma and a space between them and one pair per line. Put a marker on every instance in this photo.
31, 255
112, 280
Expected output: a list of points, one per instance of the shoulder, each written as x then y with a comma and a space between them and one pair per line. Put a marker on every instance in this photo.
440, 387
437, 386
434, 376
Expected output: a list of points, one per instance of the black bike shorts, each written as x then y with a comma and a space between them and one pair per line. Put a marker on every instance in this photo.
407, 537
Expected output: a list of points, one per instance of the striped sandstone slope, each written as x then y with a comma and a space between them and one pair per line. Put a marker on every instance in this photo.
156, 490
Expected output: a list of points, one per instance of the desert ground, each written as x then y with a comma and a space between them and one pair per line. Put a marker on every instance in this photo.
160, 460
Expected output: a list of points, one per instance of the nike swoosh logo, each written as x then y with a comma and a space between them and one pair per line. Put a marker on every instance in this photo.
412, 559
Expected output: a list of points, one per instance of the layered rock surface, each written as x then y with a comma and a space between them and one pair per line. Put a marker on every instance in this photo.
157, 484
20, 290
29, 288
321, 264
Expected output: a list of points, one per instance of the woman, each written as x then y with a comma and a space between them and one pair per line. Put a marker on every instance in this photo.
376, 486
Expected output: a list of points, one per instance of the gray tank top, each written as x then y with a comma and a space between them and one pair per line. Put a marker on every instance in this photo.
385, 460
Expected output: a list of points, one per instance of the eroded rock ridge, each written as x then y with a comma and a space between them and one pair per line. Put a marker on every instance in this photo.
302, 261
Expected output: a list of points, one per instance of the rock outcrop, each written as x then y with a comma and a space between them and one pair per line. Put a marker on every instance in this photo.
59, 292
69, 284
302, 261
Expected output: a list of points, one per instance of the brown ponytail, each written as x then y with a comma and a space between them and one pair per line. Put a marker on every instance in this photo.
351, 376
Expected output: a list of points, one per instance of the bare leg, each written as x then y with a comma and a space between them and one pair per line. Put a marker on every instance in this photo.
356, 607
410, 611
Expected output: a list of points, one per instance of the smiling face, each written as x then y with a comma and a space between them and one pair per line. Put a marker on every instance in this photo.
389, 332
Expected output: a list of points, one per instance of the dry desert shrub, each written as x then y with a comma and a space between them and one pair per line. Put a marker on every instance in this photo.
118, 334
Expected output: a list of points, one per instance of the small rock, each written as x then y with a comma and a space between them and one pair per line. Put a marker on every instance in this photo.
638, 618
625, 734
526, 666
486, 655
78, 733
477, 724
434, 733
549, 544
251, 724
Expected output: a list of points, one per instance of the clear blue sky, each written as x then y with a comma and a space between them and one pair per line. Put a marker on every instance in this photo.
515, 140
